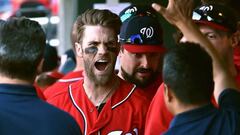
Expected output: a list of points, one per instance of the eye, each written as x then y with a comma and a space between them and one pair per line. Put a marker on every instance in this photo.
211, 36
112, 46
137, 55
93, 44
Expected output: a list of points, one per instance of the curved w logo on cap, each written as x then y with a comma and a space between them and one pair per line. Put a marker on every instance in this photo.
131, 10
147, 31
207, 8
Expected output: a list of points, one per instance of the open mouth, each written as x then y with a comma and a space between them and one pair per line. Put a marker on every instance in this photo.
101, 65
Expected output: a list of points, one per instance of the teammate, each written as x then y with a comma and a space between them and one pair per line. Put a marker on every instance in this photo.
22, 44
101, 102
142, 48
220, 31
70, 77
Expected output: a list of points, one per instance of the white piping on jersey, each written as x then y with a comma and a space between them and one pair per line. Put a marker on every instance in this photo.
70, 80
129, 94
79, 109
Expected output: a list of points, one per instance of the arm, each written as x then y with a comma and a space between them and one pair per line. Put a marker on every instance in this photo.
178, 13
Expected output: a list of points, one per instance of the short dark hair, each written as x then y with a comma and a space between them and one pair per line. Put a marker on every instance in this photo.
22, 43
103, 18
187, 70
51, 59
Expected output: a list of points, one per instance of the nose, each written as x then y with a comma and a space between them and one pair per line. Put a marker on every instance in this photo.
145, 61
102, 49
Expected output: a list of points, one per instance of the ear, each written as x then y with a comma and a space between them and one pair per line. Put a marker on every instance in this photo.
167, 94
40, 66
236, 39
79, 51
121, 50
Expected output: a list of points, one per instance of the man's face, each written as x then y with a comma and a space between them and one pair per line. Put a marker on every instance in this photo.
220, 40
140, 68
99, 49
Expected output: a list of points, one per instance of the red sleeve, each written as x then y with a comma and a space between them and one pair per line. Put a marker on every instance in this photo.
39, 92
158, 116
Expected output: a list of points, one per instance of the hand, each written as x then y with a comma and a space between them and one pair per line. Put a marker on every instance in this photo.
177, 12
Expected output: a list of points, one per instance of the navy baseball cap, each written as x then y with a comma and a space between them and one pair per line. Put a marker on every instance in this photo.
217, 16
141, 31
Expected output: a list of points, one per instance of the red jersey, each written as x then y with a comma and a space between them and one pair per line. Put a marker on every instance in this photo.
39, 92
158, 116
123, 113
62, 83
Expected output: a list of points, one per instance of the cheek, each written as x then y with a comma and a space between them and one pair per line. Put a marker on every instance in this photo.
128, 63
221, 45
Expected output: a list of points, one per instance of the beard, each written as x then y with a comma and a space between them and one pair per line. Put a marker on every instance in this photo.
98, 79
140, 83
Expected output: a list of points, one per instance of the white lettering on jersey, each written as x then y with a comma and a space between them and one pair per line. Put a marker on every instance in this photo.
135, 132
115, 133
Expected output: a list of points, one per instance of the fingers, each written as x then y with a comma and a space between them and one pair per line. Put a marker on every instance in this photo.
190, 6
158, 8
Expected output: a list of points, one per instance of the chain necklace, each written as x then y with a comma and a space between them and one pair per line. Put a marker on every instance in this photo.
107, 95
110, 91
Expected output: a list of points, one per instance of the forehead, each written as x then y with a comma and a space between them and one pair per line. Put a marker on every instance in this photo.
205, 28
99, 34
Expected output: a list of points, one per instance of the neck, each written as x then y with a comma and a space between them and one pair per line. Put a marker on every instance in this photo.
79, 64
180, 108
120, 74
99, 94
7, 80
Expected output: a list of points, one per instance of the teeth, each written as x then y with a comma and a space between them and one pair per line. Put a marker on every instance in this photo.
102, 61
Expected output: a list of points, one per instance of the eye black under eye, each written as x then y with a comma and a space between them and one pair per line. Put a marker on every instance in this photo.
91, 50
112, 48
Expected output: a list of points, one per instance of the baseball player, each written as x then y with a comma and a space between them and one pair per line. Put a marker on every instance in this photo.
101, 102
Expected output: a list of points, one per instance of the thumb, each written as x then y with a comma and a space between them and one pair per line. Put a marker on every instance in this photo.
158, 8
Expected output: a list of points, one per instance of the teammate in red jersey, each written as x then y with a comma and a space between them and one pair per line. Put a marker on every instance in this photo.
142, 48
101, 102
220, 32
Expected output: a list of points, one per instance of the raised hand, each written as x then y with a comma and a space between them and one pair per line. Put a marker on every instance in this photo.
177, 11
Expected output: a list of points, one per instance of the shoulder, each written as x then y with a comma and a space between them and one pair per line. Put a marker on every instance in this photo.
63, 94
59, 88
61, 120
72, 77
129, 93
230, 99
